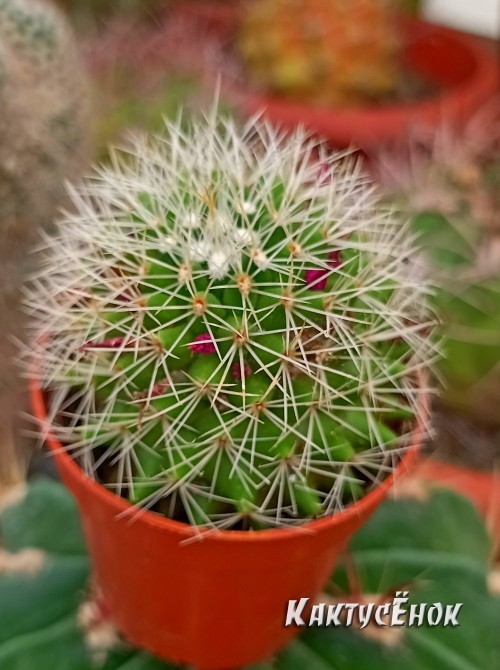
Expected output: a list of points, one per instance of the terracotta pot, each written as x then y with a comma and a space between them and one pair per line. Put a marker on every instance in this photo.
218, 602
464, 73
481, 487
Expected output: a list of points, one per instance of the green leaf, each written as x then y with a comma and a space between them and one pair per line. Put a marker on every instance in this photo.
440, 547
470, 314
438, 551
299, 656
446, 244
61, 647
46, 519
29, 603
447, 523
474, 645
341, 649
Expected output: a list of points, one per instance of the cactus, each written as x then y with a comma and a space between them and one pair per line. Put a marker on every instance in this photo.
42, 137
232, 328
42, 143
327, 51
450, 190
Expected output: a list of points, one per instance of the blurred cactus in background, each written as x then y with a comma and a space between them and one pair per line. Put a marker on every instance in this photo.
327, 51
141, 71
42, 136
451, 188
42, 143
232, 327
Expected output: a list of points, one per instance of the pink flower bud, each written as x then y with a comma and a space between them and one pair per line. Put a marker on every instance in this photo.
125, 296
316, 279
114, 343
203, 344
335, 258
236, 370
325, 173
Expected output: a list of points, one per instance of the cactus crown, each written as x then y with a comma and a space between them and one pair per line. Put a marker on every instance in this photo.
232, 330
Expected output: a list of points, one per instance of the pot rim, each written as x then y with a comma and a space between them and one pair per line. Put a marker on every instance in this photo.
185, 530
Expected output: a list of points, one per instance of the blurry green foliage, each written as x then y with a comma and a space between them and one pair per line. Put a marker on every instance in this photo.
125, 109
468, 302
437, 549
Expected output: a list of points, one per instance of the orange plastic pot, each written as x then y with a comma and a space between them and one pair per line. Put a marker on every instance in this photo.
214, 603
464, 74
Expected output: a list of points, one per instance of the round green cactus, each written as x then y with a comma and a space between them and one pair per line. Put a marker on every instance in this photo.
233, 329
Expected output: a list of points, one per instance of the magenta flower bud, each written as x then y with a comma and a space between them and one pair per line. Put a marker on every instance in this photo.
236, 370
316, 279
335, 258
114, 343
325, 172
160, 388
203, 344
125, 296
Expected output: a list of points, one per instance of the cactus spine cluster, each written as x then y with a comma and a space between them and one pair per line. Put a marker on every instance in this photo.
232, 330
327, 51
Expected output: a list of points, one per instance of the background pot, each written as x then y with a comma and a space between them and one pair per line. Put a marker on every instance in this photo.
217, 602
464, 74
